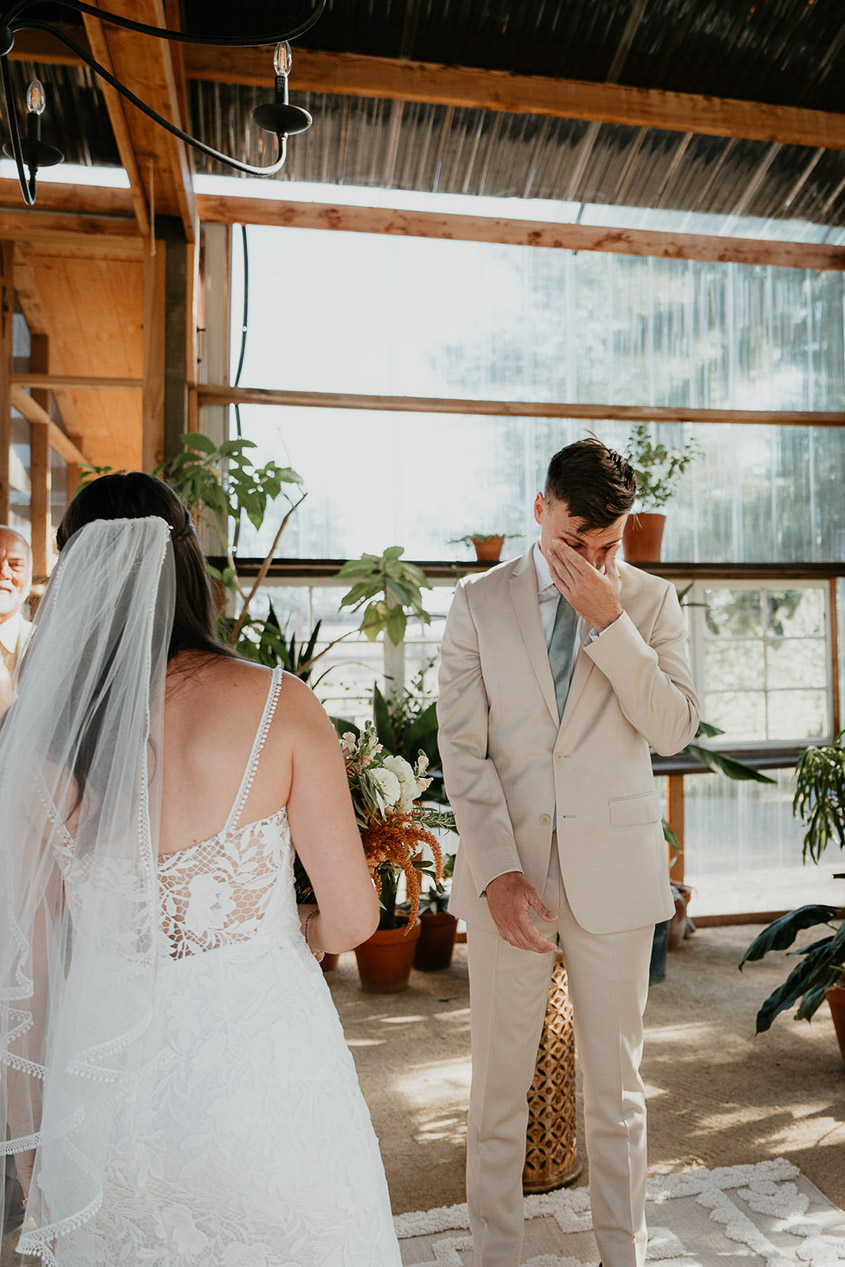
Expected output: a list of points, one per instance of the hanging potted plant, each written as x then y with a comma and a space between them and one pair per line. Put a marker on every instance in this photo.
488, 545
394, 829
819, 802
658, 471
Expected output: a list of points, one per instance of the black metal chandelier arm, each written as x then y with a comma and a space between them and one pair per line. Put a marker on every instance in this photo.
27, 187
13, 20
247, 168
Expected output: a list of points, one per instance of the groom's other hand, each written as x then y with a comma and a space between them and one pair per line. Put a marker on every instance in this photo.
510, 899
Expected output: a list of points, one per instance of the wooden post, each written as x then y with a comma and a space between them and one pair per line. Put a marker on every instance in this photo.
41, 517
7, 312
178, 271
675, 817
152, 436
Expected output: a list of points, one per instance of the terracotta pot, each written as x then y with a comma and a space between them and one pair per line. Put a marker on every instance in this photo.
385, 959
436, 941
329, 961
677, 923
836, 998
489, 551
643, 537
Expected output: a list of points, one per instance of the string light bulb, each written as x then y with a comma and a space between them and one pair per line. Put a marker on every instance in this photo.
35, 98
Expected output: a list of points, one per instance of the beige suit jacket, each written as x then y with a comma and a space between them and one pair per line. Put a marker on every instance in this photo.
509, 762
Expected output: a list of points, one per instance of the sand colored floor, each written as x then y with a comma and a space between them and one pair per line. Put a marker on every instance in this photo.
717, 1095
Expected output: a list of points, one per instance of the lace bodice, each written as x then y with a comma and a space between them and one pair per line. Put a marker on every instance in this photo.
237, 885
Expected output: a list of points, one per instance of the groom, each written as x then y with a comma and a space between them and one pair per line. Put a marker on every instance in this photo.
558, 671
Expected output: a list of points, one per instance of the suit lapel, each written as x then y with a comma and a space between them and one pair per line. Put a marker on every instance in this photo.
523, 592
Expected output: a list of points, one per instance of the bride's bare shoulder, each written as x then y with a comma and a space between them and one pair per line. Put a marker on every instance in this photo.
223, 682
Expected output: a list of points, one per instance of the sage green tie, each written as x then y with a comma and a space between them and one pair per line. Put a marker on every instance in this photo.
560, 650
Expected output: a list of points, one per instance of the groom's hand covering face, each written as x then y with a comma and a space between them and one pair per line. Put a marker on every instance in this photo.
582, 560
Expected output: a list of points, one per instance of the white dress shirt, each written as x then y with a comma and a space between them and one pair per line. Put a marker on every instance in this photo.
14, 635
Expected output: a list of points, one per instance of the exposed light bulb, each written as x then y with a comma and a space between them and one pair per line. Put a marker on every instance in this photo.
282, 59
35, 98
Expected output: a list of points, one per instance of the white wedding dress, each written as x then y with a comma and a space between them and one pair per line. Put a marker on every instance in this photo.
252, 1145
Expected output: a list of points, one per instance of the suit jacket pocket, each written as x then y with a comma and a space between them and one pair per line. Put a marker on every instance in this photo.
634, 811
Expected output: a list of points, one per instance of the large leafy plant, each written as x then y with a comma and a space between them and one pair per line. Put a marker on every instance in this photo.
222, 481
384, 586
819, 802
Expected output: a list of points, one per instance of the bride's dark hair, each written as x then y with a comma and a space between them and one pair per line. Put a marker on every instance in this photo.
134, 495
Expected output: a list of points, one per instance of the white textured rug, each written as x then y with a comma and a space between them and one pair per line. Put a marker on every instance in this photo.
766, 1215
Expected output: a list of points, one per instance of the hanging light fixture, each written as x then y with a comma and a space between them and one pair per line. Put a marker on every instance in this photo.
278, 117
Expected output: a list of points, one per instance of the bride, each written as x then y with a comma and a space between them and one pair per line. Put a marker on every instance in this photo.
176, 1084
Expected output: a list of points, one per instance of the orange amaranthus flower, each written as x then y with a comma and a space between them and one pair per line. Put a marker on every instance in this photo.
395, 840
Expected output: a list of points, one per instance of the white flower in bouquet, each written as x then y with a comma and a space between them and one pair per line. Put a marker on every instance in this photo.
409, 790
387, 786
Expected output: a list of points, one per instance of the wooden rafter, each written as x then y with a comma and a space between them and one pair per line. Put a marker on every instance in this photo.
38, 416
95, 237
350, 74
572, 237
159, 168
76, 382
220, 394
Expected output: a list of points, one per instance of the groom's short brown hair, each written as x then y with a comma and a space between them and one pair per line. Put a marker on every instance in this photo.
596, 483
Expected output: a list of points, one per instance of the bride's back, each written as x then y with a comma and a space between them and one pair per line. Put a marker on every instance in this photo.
212, 715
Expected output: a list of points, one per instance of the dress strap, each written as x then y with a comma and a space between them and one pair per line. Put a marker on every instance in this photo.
257, 744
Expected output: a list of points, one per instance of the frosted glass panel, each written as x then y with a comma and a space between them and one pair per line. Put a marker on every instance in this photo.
376, 479
413, 316
742, 848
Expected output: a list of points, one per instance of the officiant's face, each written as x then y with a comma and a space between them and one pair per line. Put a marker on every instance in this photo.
556, 524
15, 572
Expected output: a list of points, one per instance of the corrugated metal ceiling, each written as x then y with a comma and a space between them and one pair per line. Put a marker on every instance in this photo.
777, 51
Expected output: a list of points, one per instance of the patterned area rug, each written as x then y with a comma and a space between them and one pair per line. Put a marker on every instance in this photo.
767, 1215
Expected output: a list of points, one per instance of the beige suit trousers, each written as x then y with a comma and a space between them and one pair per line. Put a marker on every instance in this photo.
608, 985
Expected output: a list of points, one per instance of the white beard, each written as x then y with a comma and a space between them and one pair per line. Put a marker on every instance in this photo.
9, 603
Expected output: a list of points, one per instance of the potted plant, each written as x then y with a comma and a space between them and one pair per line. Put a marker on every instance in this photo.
438, 927
819, 802
394, 828
488, 545
658, 470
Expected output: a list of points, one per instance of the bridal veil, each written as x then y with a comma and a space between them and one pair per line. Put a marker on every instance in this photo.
80, 775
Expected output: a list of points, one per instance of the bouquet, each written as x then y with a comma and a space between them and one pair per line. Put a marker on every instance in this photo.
394, 826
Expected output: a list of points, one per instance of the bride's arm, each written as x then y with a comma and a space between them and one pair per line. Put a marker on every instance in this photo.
323, 827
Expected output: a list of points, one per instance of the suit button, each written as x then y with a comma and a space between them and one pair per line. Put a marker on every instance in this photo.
545, 819
558, 756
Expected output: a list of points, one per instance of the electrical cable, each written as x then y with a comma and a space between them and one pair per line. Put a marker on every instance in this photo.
244, 331
14, 22
165, 33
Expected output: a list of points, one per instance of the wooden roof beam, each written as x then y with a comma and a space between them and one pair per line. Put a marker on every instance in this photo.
350, 74
159, 167
572, 237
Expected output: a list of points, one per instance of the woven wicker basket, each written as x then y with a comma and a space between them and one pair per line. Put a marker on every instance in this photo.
551, 1158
